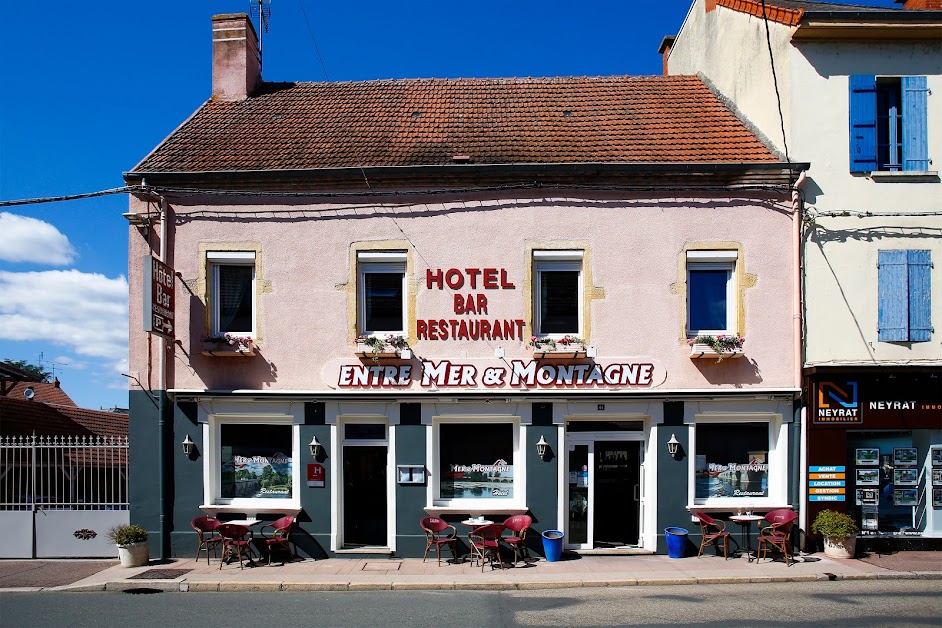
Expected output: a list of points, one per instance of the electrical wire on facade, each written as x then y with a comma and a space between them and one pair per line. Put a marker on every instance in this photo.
778, 97
128, 189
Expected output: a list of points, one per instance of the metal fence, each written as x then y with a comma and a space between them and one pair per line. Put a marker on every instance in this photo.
63, 473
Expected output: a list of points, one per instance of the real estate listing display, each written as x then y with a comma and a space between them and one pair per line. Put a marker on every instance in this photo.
905, 497
868, 456
905, 456
904, 477
868, 477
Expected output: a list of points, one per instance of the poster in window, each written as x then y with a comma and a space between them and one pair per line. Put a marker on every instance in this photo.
734, 460
476, 460
905, 497
253, 463
904, 477
937, 477
868, 477
904, 456
937, 456
868, 496
868, 457
937, 498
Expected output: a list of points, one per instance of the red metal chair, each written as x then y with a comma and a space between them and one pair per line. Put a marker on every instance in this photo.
778, 534
280, 535
206, 531
236, 541
435, 535
518, 525
485, 543
712, 531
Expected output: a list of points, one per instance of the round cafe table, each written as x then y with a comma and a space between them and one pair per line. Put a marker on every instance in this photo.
745, 522
474, 524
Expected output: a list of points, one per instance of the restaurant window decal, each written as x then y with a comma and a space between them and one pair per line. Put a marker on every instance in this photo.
254, 462
732, 460
474, 461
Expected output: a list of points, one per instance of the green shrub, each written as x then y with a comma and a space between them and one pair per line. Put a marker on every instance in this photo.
834, 525
127, 534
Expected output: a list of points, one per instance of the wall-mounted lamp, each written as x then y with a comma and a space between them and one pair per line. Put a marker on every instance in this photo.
316, 448
188, 446
673, 446
134, 218
542, 448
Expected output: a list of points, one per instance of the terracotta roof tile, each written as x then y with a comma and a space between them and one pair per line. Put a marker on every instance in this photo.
19, 417
409, 122
45, 393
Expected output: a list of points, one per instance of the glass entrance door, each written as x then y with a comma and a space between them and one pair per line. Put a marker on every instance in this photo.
364, 496
604, 497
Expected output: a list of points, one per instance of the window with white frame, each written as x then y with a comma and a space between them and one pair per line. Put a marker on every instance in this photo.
478, 464
711, 292
381, 295
232, 292
253, 461
739, 461
557, 293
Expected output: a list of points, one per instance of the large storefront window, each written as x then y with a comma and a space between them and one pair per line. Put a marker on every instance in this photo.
255, 461
894, 476
476, 461
732, 460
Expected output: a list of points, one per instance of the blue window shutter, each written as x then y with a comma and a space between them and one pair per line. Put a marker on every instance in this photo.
893, 289
915, 134
920, 306
863, 123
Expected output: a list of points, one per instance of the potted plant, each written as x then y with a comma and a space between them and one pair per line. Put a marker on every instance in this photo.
390, 346
228, 344
721, 346
131, 539
566, 345
839, 532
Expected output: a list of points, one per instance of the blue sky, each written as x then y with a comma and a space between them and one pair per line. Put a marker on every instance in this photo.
90, 88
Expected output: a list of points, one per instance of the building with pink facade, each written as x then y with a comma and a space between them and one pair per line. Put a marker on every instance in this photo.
387, 295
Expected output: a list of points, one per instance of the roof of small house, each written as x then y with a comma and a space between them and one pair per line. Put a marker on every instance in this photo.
46, 392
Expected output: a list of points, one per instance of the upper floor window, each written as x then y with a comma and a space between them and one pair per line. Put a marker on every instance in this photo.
381, 292
232, 291
558, 293
905, 308
711, 293
888, 126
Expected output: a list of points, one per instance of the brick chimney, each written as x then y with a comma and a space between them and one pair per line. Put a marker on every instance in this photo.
665, 50
236, 68
925, 5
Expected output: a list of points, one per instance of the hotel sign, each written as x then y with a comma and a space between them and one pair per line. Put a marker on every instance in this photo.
158, 297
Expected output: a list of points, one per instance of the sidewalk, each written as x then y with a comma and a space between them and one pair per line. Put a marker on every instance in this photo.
344, 574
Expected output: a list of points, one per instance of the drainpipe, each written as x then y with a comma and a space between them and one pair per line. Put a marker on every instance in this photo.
798, 305
161, 403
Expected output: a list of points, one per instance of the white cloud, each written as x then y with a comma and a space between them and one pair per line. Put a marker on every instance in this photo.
24, 239
85, 312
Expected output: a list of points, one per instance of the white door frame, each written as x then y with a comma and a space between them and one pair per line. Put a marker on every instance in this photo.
389, 443
589, 439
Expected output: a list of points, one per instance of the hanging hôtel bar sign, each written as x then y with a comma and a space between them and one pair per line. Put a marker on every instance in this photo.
158, 297
472, 322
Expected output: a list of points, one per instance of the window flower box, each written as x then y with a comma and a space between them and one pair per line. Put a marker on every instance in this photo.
559, 348
228, 345
719, 347
375, 348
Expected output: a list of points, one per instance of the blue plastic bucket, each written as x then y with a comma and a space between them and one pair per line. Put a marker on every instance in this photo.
676, 541
552, 545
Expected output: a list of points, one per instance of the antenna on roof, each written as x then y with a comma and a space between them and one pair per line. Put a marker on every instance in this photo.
262, 10
52, 364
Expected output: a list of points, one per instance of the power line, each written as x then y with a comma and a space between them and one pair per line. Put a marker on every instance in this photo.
128, 189
311, 32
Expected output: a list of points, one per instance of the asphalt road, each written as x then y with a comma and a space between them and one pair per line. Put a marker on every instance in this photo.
895, 603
